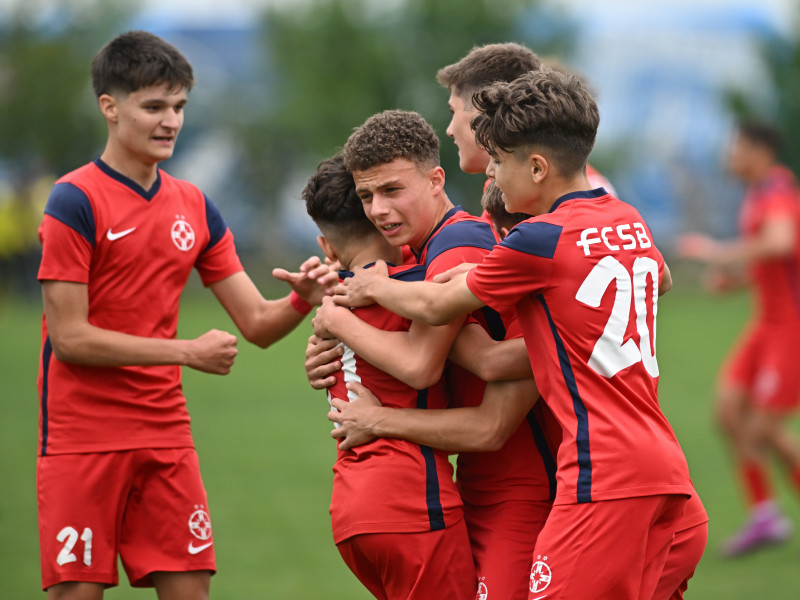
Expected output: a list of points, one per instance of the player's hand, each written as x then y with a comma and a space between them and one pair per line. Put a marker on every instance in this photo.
212, 352
697, 246
312, 281
355, 291
324, 320
322, 360
356, 418
719, 281
451, 273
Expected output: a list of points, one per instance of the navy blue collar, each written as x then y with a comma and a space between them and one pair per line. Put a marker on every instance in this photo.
449, 214
587, 195
146, 194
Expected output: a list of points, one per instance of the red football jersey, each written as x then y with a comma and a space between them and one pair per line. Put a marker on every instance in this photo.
390, 485
524, 469
134, 249
584, 282
777, 281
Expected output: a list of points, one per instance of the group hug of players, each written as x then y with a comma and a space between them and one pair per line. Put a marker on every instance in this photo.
523, 339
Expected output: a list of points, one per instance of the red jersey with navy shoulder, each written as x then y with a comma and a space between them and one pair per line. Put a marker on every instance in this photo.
776, 280
524, 469
584, 282
391, 485
135, 250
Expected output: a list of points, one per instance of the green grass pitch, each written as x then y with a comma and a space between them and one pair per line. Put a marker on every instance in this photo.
266, 456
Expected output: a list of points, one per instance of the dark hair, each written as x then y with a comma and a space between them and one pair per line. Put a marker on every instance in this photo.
492, 203
761, 133
487, 64
390, 135
138, 59
541, 108
331, 200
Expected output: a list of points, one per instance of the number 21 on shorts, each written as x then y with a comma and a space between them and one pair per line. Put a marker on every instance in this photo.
610, 354
69, 537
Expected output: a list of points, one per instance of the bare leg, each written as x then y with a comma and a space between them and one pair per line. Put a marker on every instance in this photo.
75, 590
730, 410
192, 585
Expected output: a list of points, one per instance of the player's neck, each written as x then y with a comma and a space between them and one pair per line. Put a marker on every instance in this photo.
556, 188
145, 174
368, 253
445, 206
760, 171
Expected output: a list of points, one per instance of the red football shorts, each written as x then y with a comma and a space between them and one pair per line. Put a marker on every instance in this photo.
148, 506
685, 552
430, 565
503, 537
764, 362
611, 549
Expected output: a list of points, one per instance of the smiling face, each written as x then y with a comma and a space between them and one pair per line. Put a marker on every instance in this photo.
471, 158
143, 125
405, 202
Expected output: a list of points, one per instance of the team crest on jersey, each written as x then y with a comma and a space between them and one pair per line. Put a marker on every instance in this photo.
483, 591
540, 575
200, 523
182, 234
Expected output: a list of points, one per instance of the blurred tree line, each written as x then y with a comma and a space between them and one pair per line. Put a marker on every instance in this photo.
781, 57
324, 66
328, 65
336, 62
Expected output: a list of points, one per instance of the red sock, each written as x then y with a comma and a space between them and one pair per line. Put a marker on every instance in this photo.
755, 482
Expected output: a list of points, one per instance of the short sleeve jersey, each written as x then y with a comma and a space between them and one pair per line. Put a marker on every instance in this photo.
776, 281
524, 469
134, 249
584, 282
391, 485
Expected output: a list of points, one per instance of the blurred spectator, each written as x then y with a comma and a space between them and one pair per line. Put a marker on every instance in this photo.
22, 201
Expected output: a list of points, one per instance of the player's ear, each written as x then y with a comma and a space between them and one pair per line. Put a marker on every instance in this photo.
108, 106
326, 247
539, 167
436, 176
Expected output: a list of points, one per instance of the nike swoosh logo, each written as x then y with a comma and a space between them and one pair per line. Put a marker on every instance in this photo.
197, 549
540, 597
115, 236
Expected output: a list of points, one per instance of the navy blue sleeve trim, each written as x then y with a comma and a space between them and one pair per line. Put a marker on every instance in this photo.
584, 484
476, 234
537, 238
216, 224
70, 205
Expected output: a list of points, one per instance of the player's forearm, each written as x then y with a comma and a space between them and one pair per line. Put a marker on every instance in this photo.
94, 346
492, 360
416, 363
451, 430
271, 322
422, 301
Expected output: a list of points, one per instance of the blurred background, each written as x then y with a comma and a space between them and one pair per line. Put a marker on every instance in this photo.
280, 85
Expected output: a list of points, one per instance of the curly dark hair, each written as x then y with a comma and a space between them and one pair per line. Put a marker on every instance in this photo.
487, 64
331, 200
390, 135
541, 108
136, 60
